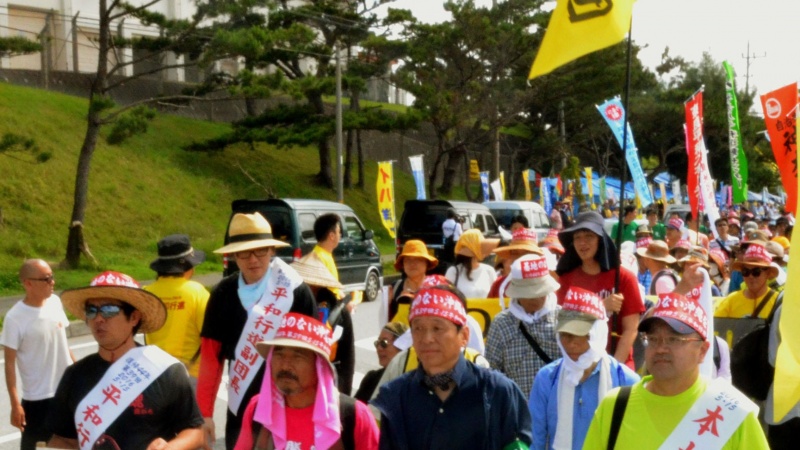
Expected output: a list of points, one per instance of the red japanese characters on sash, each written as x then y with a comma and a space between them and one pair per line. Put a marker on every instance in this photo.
122, 383
263, 321
780, 116
712, 420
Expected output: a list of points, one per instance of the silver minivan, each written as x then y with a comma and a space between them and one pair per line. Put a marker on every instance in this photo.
505, 210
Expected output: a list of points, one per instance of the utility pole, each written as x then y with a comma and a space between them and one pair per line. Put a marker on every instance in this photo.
748, 57
339, 163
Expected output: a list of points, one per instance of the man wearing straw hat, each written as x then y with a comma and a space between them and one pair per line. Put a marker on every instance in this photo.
522, 338
298, 406
656, 258
523, 242
125, 396
332, 311
184, 299
448, 402
756, 299
245, 308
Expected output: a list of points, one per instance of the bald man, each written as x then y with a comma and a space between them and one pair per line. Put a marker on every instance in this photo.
35, 341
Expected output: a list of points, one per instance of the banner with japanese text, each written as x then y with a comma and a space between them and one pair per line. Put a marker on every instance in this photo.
497, 189
544, 194
739, 171
528, 176
663, 188
474, 170
603, 192
418, 172
780, 116
385, 190
589, 185
485, 185
677, 195
701, 186
613, 112
502, 178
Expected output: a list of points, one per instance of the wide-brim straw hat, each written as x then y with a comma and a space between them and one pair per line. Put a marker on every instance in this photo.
299, 331
522, 240
417, 249
117, 286
313, 271
656, 250
697, 254
248, 232
756, 255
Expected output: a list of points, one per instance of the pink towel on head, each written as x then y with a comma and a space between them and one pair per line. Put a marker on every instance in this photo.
327, 424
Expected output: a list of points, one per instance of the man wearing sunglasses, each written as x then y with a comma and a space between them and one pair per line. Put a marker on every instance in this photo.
34, 340
244, 308
756, 299
675, 406
125, 396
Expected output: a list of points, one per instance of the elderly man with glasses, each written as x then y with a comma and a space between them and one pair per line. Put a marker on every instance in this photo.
756, 299
34, 340
245, 308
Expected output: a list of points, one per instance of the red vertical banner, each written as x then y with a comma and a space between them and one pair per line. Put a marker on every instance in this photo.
694, 139
780, 116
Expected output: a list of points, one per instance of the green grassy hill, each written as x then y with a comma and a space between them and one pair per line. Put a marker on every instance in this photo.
141, 190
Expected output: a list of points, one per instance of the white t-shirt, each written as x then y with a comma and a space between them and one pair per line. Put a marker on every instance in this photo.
478, 287
40, 339
451, 228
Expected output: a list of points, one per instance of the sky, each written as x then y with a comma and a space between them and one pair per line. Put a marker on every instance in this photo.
722, 28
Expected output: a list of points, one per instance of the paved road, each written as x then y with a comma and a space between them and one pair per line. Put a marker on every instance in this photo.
366, 329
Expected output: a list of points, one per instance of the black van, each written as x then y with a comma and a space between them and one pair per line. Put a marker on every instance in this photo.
358, 259
422, 219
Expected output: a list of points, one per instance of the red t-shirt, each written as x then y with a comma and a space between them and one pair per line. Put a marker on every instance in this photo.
300, 427
494, 291
602, 284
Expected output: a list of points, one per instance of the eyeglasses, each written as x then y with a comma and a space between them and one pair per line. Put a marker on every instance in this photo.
381, 343
746, 272
107, 311
48, 279
668, 341
259, 252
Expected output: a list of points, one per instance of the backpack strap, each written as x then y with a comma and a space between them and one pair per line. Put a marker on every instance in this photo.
763, 303
347, 412
620, 404
717, 356
535, 345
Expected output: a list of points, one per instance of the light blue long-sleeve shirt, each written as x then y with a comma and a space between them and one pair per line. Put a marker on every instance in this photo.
543, 401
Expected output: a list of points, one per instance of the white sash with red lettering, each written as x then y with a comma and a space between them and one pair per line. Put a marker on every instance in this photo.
712, 420
122, 383
263, 321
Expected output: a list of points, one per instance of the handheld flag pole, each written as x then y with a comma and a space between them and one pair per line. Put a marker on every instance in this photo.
624, 174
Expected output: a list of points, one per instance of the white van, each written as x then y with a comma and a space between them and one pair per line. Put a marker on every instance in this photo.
505, 211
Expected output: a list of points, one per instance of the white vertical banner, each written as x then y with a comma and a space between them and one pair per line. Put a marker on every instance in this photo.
497, 189
676, 192
417, 170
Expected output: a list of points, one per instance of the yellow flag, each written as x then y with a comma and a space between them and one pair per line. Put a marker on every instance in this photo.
503, 183
580, 27
527, 183
589, 185
385, 190
474, 171
787, 364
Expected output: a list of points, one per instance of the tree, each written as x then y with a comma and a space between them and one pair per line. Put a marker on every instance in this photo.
178, 37
17, 45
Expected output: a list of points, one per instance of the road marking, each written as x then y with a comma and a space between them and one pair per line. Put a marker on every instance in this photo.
10, 437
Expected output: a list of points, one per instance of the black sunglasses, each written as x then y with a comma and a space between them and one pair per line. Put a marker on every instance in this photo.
46, 279
382, 343
755, 272
107, 311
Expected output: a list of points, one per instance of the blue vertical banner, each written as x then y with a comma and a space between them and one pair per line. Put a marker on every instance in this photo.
418, 171
485, 185
544, 190
613, 112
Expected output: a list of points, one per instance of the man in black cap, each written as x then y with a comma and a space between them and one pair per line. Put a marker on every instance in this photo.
184, 299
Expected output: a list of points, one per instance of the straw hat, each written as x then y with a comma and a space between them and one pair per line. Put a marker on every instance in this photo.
117, 286
696, 254
523, 239
417, 249
314, 272
247, 232
300, 331
756, 255
656, 250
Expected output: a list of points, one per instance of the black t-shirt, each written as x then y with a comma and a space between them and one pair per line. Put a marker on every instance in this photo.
164, 409
226, 317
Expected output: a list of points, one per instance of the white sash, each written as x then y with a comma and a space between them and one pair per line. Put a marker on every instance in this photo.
712, 420
263, 321
122, 383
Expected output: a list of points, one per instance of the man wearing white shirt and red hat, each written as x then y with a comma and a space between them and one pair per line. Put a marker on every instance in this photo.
675, 407
299, 407
567, 391
125, 396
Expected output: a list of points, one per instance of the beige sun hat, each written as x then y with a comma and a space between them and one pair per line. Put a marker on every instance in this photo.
314, 272
117, 286
657, 250
249, 231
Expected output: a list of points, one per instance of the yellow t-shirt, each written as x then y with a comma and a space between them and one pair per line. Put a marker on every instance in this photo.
737, 306
649, 420
185, 301
327, 259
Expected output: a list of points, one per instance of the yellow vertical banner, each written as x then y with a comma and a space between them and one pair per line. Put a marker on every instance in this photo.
385, 190
527, 183
589, 185
663, 188
474, 170
503, 183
